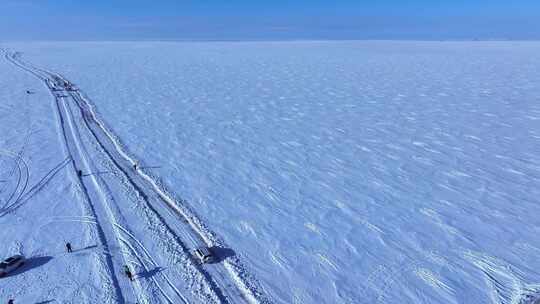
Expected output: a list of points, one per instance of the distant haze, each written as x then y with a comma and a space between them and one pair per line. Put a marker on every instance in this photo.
266, 20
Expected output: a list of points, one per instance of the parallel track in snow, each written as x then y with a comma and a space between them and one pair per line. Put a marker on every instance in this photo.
101, 200
20, 186
228, 282
70, 147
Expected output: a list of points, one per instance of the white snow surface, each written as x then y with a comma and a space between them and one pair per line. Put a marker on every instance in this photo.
337, 172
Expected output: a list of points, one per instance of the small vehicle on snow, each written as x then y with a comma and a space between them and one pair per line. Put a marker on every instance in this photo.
10, 264
205, 255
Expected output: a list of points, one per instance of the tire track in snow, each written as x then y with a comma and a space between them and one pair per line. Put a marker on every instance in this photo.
16, 167
66, 117
154, 264
68, 147
233, 267
232, 270
236, 272
24, 197
22, 181
18, 160
115, 215
102, 192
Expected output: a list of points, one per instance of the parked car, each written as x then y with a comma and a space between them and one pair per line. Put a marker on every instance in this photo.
10, 264
205, 255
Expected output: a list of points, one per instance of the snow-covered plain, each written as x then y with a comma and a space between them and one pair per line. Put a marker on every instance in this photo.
338, 172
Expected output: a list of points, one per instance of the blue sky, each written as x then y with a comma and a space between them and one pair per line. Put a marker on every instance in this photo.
276, 19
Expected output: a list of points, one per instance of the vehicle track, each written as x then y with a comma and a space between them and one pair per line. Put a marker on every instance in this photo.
152, 220
194, 233
68, 148
175, 221
24, 195
23, 175
18, 157
150, 260
102, 194
15, 167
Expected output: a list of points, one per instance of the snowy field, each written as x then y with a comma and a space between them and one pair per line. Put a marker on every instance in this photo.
329, 172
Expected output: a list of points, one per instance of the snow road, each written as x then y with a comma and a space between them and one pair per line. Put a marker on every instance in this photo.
154, 235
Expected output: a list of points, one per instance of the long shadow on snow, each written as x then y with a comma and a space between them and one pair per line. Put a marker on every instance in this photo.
86, 248
97, 173
82, 251
149, 273
29, 264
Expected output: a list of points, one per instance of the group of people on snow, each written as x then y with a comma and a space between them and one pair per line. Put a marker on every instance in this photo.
69, 248
127, 271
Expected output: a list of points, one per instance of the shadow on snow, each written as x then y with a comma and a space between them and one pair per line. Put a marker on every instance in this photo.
221, 254
149, 273
30, 264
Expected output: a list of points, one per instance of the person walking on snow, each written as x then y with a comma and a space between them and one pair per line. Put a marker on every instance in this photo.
128, 272
68, 247
11, 301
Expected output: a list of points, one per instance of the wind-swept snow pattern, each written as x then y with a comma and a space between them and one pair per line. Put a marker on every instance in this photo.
332, 172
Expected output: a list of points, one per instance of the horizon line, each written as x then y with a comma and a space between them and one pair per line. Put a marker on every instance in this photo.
280, 40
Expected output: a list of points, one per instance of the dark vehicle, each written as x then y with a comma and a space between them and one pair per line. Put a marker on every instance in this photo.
10, 264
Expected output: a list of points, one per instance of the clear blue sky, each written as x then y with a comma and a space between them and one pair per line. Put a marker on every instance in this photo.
271, 19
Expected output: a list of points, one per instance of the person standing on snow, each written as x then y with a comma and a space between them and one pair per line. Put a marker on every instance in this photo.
68, 247
128, 272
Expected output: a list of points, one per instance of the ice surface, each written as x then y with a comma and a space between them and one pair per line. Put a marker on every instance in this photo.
340, 172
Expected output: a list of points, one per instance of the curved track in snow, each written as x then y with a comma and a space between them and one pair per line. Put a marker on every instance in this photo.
154, 232
20, 169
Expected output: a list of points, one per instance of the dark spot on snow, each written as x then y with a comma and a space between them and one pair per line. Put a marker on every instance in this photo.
221, 253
